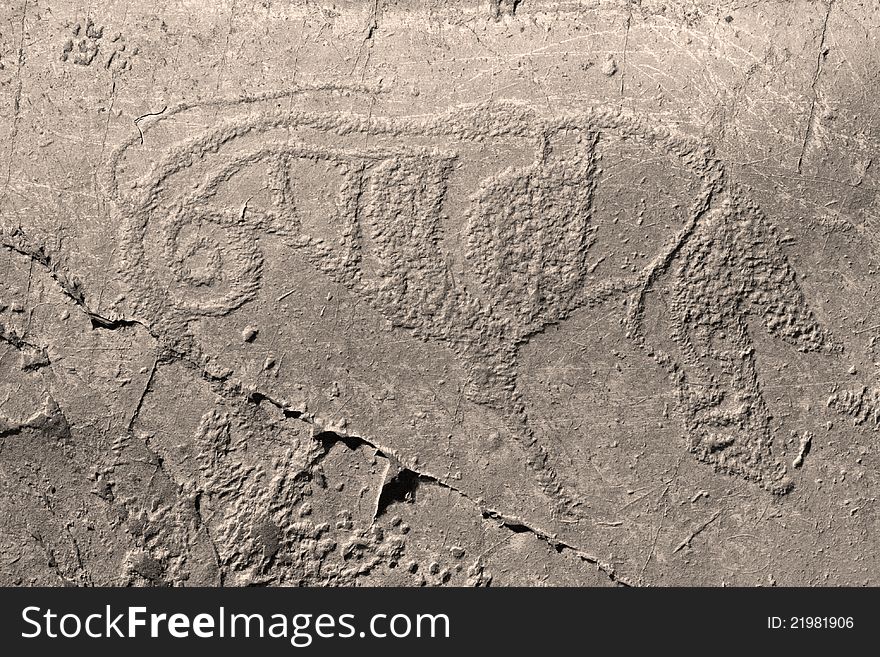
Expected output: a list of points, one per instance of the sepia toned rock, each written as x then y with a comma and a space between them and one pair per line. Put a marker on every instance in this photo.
438, 294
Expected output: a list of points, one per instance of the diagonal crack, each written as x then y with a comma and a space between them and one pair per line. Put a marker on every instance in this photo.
13, 339
519, 526
372, 27
405, 478
628, 24
17, 242
401, 469
820, 57
412, 476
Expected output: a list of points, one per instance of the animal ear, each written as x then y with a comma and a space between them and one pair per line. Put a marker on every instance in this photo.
774, 292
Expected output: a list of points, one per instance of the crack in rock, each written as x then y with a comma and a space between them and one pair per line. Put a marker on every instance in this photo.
404, 480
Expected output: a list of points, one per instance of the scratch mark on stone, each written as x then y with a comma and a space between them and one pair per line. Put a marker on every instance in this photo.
16, 102
820, 57
149, 382
687, 542
625, 45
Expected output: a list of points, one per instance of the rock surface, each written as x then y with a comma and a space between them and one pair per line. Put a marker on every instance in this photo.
446, 293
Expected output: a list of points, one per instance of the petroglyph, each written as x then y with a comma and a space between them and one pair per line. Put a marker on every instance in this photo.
490, 293
863, 404
377, 228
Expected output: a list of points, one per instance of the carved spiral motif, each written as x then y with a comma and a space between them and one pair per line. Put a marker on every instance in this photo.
215, 262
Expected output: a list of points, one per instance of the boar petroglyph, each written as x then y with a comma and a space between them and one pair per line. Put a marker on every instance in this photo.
529, 249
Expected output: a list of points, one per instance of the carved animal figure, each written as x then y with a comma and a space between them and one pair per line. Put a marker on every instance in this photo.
530, 235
